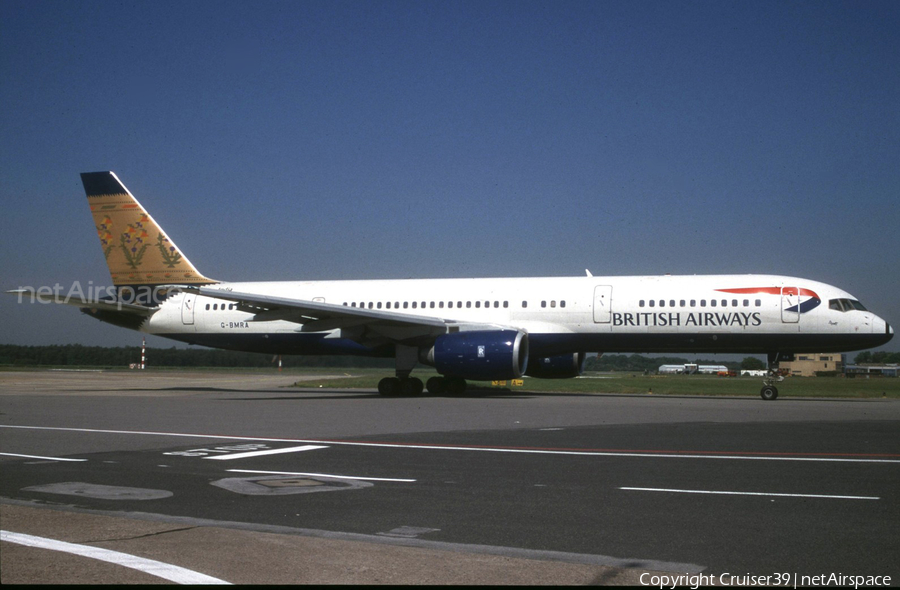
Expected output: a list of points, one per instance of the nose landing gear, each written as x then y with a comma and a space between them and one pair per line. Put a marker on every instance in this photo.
769, 392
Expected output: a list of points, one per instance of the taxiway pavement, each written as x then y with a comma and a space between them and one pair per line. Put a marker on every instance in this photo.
242, 478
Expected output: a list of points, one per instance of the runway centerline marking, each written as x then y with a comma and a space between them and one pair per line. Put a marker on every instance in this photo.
727, 493
167, 571
884, 458
266, 452
331, 476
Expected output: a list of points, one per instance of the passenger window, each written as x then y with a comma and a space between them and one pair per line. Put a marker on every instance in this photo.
641, 303
712, 302
524, 304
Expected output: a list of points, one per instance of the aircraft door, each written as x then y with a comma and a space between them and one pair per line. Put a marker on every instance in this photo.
790, 305
602, 304
187, 309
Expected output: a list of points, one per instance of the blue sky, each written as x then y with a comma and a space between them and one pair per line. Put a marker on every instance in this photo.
329, 140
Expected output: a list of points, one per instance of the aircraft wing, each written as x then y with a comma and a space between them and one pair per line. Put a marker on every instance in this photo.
82, 302
367, 326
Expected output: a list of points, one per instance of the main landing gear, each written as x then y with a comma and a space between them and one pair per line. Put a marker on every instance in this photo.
769, 392
406, 386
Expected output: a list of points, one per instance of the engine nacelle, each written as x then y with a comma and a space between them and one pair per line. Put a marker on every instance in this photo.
564, 366
480, 355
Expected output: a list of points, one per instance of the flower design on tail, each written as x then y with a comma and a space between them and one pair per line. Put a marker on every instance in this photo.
133, 242
105, 234
170, 255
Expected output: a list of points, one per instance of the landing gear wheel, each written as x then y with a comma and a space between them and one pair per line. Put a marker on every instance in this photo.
455, 385
436, 385
389, 386
769, 392
411, 387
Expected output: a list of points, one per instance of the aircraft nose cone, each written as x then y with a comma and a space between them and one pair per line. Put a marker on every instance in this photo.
881, 326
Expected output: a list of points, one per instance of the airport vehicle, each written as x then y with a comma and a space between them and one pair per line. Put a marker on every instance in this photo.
467, 329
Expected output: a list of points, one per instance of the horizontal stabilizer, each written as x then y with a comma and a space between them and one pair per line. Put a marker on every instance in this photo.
82, 302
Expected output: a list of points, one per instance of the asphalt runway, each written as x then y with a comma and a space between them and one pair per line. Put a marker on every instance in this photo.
242, 479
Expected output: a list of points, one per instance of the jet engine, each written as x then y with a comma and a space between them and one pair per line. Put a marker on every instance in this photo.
483, 355
564, 366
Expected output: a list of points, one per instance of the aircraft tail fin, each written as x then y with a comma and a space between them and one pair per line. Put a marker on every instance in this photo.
137, 250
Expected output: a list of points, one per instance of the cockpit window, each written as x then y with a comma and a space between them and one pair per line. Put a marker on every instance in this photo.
857, 305
846, 305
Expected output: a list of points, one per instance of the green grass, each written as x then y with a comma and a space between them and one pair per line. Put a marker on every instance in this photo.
828, 387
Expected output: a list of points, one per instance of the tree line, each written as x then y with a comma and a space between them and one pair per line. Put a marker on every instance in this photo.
877, 358
68, 355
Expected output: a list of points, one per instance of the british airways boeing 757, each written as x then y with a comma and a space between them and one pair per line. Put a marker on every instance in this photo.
467, 329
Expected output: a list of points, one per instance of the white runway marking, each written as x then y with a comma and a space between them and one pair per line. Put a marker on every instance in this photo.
842, 458
265, 452
39, 457
674, 491
167, 571
321, 475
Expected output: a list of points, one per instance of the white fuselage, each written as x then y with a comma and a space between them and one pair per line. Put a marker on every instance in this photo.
715, 313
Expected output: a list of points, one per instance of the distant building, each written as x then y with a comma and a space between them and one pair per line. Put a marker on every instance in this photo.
691, 368
712, 369
808, 364
867, 370
753, 372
